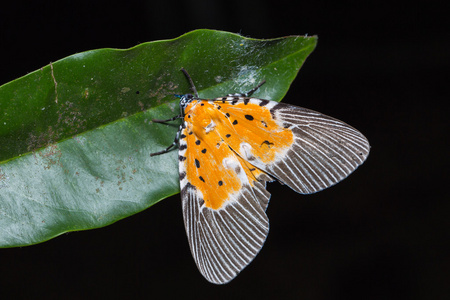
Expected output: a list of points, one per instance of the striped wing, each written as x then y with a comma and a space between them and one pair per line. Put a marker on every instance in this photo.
325, 150
224, 202
304, 149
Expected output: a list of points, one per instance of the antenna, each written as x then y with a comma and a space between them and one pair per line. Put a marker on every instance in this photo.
194, 90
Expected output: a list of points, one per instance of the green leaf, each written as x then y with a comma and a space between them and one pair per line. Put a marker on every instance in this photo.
75, 135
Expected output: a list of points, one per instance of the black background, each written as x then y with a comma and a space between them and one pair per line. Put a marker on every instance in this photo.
380, 234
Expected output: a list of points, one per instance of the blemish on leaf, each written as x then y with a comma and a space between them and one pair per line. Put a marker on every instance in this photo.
3, 179
50, 156
55, 83
86, 93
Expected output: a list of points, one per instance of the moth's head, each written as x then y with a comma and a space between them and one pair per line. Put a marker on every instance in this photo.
184, 100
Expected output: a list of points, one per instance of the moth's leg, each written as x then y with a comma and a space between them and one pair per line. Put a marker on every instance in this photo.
174, 144
249, 93
168, 120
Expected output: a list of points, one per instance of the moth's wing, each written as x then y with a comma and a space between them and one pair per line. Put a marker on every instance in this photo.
223, 205
304, 149
258, 180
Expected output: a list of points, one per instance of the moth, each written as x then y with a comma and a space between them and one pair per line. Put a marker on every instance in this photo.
229, 148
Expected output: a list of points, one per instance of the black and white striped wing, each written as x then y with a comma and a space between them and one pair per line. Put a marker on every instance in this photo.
225, 240
324, 150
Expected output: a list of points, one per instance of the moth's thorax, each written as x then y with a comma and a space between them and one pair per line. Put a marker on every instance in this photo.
201, 116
